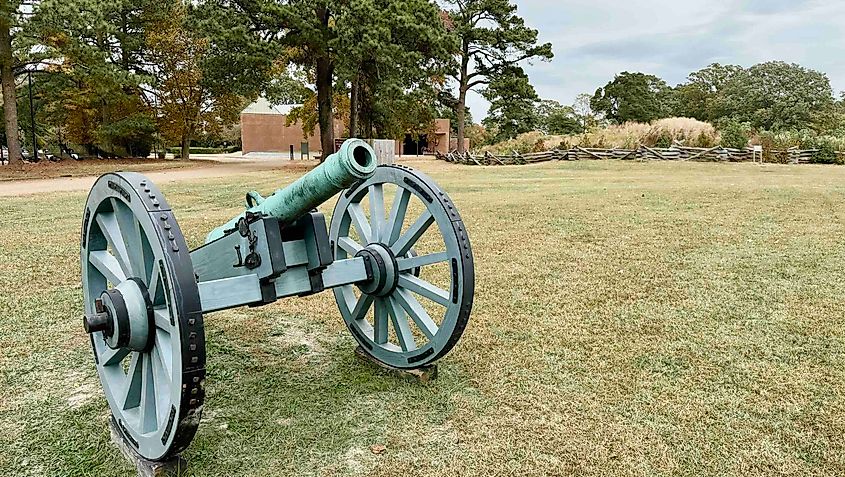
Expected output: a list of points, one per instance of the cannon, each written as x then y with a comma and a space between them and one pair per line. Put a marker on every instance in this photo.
402, 276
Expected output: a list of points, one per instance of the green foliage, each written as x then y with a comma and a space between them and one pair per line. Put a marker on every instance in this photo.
779, 96
512, 104
523, 143
662, 138
479, 135
826, 152
93, 92
492, 39
702, 96
128, 136
555, 118
177, 151
394, 54
773, 96
734, 133
776, 143
633, 97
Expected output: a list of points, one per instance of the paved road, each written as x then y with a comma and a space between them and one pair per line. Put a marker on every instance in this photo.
230, 165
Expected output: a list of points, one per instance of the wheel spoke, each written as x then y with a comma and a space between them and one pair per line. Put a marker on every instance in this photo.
393, 226
152, 284
424, 288
376, 211
348, 293
130, 231
149, 419
108, 265
350, 246
111, 230
132, 389
162, 319
362, 307
359, 220
164, 354
414, 232
417, 313
401, 325
163, 383
380, 322
110, 357
409, 263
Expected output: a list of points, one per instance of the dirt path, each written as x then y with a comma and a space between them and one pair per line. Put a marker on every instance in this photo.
72, 184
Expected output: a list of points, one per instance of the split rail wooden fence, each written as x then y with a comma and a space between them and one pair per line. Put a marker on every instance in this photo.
642, 153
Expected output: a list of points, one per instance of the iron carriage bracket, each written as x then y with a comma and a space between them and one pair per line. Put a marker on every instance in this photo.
261, 260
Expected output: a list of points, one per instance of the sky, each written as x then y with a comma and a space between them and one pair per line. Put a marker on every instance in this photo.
595, 39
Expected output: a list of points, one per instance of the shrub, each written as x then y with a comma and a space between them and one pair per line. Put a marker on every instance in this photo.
735, 134
131, 136
177, 151
662, 138
660, 133
826, 154
524, 143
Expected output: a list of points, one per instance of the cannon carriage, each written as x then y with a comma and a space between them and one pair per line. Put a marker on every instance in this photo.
146, 293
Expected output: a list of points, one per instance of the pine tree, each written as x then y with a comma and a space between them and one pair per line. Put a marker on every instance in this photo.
492, 38
10, 18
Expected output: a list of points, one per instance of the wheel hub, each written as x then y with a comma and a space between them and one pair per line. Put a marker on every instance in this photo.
124, 316
385, 271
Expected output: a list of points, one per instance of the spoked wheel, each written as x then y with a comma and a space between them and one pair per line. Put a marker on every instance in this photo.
416, 305
143, 314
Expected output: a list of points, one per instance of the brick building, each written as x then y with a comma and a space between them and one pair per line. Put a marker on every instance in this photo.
263, 129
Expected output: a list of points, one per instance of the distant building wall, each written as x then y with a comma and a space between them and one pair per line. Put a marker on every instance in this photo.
453, 144
440, 141
268, 133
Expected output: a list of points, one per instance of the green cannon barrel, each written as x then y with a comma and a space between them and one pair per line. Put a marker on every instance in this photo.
354, 161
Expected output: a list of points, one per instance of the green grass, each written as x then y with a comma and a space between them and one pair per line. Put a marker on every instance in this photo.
630, 319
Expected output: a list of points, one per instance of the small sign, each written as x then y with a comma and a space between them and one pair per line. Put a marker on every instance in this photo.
758, 148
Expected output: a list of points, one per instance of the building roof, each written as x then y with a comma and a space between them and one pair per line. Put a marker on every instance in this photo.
263, 106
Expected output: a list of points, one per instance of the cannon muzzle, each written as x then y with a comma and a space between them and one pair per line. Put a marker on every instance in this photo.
354, 161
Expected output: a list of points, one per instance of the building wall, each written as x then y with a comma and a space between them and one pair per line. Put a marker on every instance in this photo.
268, 133
453, 144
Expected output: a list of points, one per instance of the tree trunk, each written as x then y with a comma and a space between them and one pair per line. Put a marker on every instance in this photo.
460, 115
7, 78
353, 108
325, 74
365, 102
186, 146
460, 109
325, 80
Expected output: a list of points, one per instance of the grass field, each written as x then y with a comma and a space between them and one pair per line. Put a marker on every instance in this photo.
630, 319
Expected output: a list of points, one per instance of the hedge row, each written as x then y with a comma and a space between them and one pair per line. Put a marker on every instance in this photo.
177, 151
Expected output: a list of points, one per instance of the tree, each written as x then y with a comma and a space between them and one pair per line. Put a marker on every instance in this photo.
779, 96
633, 97
395, 55
492, 38
702, 96
256, 33
555, 118
10, 18
93, 87
187, 101
512, 104
585, 115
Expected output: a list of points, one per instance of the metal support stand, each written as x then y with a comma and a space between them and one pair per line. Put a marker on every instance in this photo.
146, 468
424, 374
